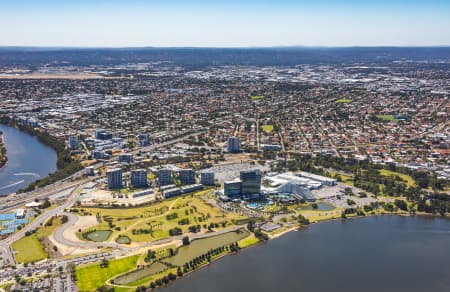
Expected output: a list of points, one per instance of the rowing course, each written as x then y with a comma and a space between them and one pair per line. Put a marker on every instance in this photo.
28, 160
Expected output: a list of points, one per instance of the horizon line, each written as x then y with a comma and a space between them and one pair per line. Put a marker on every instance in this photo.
221, 47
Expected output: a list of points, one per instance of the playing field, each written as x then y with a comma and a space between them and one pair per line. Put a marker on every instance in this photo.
343, 100
267, 128
257, 97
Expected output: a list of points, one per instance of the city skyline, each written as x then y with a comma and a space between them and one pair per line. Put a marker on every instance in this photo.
200, 23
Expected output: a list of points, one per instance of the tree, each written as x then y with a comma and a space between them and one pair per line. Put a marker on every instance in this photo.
186, 240
104, 263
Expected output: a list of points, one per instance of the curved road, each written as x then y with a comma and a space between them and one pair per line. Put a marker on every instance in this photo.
6, 243
59, 237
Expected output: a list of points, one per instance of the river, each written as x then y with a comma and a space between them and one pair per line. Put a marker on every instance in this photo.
28, 160
388, 253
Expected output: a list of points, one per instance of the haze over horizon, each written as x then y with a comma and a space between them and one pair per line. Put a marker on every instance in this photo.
201, 23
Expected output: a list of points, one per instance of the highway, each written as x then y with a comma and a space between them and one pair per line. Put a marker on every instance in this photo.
15, 201
6, 243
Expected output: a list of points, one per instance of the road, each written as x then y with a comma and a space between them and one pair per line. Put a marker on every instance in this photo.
6, 243
11, 202
59, 237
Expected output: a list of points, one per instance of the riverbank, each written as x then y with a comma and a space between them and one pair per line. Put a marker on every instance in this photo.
349, 253
271, 237
66, 166
3, 157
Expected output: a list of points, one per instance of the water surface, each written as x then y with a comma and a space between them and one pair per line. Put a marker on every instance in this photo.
28, 160
376, 254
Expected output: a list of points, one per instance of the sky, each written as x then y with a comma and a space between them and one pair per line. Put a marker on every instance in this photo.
224, 23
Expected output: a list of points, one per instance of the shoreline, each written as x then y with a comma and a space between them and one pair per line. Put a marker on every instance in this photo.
63, 169
3, 149
278, 235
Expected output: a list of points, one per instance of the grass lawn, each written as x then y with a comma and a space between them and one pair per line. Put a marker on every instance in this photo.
153, 217
267, 128
347, 179
316, 216
408, 179
248, 241
201, 246
257, 97
387, 118
92, 276
29, 249
343, 100
140, 274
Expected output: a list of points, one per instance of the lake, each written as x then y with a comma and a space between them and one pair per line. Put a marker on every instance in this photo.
28, 160
387, 253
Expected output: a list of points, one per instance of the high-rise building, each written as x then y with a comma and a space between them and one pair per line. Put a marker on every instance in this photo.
114, 178
90, 171
251, 182
207, 178
126, 157
143, 140
164, 176
232, 189
187, 176
102, 134
98, 154
139, 178
73, 142
233, 145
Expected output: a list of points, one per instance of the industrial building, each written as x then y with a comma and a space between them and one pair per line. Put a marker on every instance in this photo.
142, 193
183, 190
115, 180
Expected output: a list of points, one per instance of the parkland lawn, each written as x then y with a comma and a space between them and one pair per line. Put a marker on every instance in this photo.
408, 179
153, 218
92, 276
29, 248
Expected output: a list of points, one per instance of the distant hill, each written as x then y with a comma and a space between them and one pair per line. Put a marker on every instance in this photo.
199, 57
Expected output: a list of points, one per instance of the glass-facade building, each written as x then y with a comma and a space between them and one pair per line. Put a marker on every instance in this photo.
232, 189
250, 182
